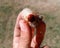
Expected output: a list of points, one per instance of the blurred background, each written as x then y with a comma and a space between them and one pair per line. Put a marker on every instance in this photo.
50, 9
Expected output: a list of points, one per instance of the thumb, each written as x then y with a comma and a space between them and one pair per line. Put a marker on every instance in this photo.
26, 35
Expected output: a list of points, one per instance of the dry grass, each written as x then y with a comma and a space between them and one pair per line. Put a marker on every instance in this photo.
50, 9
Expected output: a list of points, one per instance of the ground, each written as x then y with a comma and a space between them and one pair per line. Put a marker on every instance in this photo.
49, 9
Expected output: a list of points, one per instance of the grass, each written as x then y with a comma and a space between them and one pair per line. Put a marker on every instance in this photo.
6, 9
8, 15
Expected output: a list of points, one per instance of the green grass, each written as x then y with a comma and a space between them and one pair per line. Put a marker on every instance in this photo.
6, 9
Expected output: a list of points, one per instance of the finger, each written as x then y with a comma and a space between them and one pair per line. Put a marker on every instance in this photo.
26, 34
33, 42
17, 27
16, 32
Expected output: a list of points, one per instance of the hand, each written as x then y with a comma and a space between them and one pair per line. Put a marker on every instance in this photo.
23, 34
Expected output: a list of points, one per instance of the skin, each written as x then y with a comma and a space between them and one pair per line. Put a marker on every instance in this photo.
23, 34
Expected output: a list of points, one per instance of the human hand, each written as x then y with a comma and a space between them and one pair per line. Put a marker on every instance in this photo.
23, 33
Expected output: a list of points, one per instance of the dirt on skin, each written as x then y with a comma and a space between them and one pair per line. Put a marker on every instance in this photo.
49, 9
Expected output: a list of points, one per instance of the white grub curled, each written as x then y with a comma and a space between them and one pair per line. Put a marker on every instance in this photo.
31, 17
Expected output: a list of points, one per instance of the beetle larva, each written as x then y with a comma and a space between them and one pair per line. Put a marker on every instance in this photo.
31, 17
